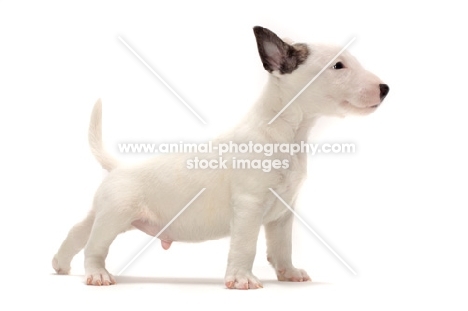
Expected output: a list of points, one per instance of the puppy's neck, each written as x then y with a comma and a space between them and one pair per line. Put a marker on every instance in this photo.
291, 125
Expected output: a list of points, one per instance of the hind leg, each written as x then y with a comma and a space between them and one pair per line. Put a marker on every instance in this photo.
75, 241
106, 227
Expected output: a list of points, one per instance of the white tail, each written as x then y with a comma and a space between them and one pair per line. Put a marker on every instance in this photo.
95, 139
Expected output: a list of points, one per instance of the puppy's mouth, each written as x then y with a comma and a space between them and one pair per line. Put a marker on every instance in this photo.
347, 103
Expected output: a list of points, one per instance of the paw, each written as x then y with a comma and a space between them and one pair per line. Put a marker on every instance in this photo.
242, 280
99, 277
59, 267
292, 275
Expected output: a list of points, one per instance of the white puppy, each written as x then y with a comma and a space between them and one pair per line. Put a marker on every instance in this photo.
236, 202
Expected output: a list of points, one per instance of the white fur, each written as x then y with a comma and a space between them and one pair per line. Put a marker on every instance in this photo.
235, 202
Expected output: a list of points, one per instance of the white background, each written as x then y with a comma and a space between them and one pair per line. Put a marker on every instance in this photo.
395, 210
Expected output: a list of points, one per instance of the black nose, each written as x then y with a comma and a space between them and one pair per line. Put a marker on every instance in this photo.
384, 89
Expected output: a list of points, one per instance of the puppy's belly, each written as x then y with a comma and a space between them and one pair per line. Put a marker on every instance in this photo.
153, 231
189, 233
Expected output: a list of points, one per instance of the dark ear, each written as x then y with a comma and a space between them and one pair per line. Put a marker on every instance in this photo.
277, 54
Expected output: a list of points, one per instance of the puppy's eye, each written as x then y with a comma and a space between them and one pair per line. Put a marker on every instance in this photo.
338, 65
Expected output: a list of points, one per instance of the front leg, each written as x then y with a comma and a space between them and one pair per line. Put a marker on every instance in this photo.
245, 227
279, 249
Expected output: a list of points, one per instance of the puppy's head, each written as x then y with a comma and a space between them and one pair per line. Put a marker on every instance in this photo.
340, 88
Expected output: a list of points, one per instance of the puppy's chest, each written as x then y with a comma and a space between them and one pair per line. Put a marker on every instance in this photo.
292, 178
287, 188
